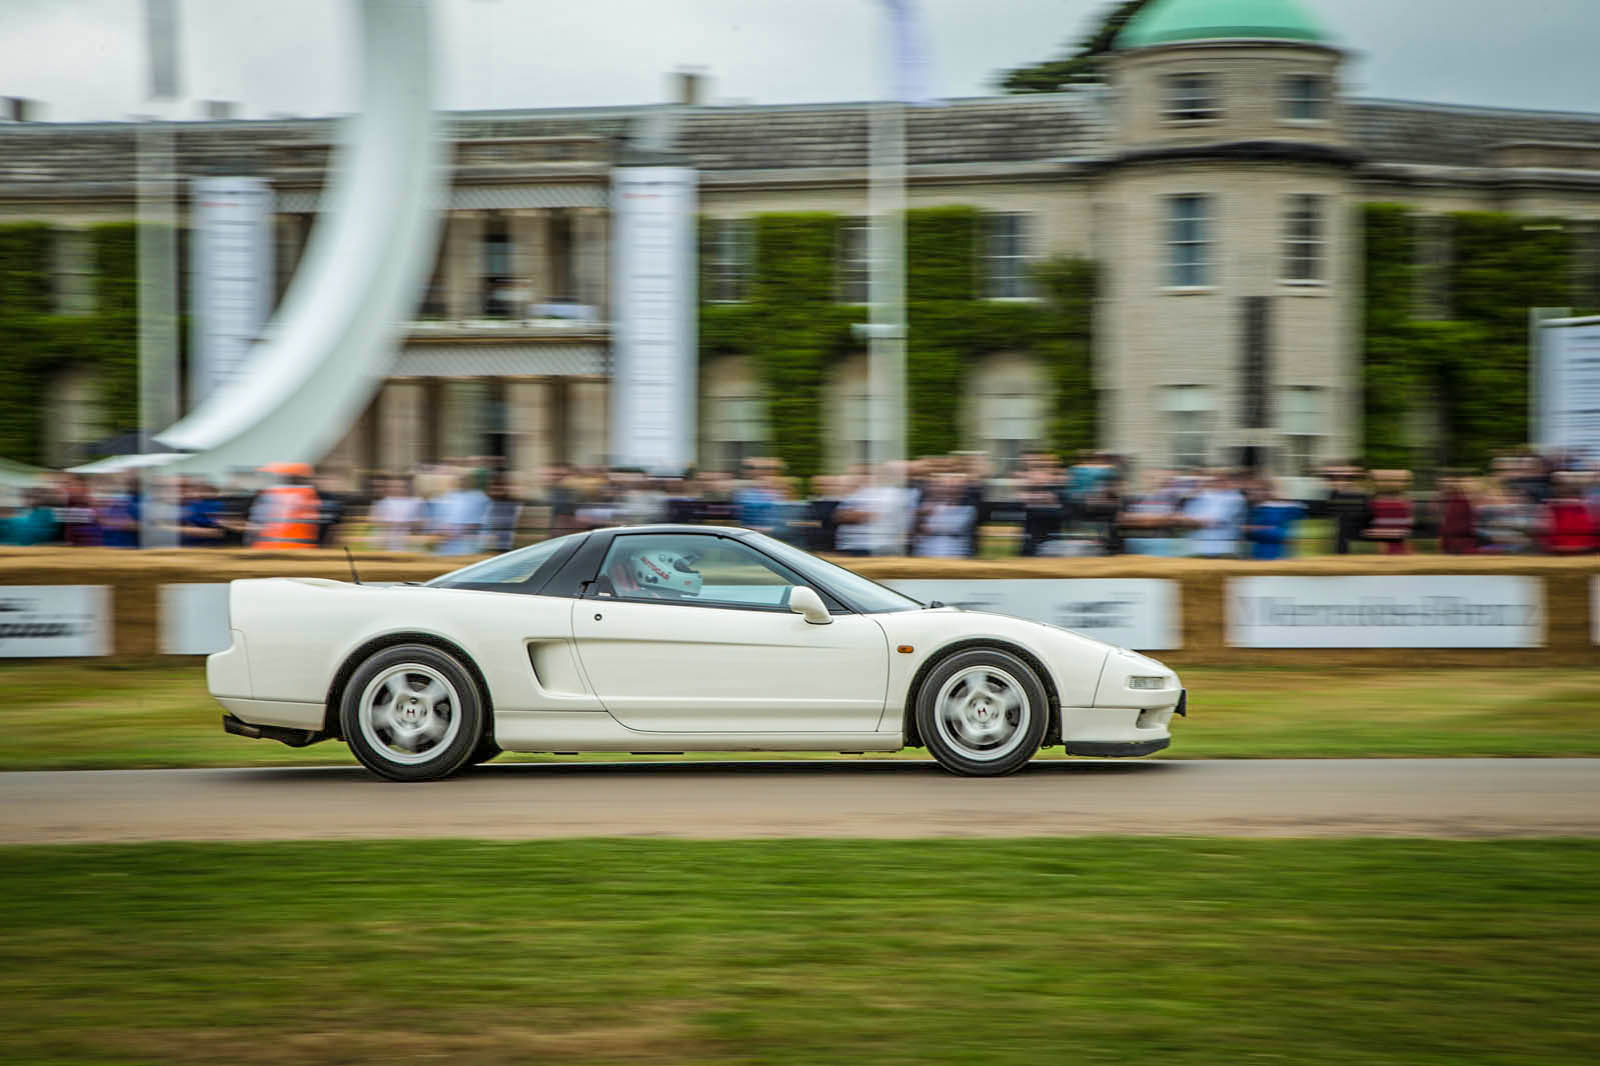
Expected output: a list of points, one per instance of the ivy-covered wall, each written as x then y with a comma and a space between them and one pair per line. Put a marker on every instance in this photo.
1454, 392
795, 330
37, 344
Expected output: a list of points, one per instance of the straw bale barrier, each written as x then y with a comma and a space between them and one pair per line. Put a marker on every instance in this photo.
136, 578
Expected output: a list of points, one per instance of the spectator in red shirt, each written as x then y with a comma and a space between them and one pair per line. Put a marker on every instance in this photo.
1391, 512
1458, 532
1569, 527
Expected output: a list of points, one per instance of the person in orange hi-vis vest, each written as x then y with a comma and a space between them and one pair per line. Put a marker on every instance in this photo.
285, 515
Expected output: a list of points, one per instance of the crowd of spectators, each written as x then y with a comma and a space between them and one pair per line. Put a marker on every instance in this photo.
947, 506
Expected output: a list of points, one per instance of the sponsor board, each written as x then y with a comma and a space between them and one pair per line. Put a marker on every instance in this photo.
1566, 411
1138, 613
54, 621
194, 619
1443, 611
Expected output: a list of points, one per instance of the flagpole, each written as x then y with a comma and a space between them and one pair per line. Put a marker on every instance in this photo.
157, 253
886, 255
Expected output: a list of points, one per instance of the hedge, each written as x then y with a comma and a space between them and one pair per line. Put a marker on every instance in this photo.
1469, 372
36, 344
795, 330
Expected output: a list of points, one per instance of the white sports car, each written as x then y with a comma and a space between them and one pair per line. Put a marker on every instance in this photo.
668, 639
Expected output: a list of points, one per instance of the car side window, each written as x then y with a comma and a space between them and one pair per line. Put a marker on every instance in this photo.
692, 569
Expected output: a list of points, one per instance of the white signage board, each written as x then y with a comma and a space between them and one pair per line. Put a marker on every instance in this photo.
1136, 613
1567, 387
1446, 611
54, 621
654, 362
194, 619
1594, 608
231, 277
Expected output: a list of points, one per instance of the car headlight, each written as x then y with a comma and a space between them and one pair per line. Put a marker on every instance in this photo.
1156, 683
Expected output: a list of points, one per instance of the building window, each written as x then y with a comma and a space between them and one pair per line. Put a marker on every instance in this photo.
74, 273
737, 428
1005, 256
435, 298
1305, 98
561, 252
1192, 98
1304, 239
1190, 411
729, 257
857, 440
1304, 426
1188, 241
1010, 411
500, 295
855, 263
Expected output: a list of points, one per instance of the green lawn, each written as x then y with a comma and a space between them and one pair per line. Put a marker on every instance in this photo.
71, 715
1027, 952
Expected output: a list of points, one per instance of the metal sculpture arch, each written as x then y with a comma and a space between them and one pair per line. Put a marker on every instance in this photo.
331, 342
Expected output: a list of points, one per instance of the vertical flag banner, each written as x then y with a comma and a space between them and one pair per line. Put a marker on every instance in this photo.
161, 34
909, 58
653, 379
231, 242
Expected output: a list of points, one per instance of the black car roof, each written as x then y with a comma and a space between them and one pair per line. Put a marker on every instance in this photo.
670, 527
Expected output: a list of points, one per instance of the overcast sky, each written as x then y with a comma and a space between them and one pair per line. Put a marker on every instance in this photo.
84, 59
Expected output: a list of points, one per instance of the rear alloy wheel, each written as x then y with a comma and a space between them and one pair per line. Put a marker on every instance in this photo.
412, 713
982, 713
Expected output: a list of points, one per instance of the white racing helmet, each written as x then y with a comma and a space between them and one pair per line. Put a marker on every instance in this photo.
666, 572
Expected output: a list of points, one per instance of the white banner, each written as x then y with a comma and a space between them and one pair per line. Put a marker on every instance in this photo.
654, 361
1567, 404
1385, 612
1141, 614
54, 621
231, 280
194, 619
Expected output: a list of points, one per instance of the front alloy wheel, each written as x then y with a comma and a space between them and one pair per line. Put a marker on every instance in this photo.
982, 713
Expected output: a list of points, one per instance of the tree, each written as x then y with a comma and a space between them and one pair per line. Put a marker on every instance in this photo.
1080, 61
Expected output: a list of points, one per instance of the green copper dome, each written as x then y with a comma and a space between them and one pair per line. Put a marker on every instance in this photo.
1170, 21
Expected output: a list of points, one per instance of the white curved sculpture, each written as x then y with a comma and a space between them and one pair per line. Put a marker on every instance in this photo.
329, 345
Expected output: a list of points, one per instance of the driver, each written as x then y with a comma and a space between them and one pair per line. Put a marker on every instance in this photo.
654, 572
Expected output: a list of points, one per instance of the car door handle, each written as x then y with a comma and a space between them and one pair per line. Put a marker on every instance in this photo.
597, 617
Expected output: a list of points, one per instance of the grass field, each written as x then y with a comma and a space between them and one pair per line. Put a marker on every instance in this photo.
93, 716
1084, 951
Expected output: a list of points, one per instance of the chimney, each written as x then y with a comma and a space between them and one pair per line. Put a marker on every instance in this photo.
18, 109
688, 86
218, 110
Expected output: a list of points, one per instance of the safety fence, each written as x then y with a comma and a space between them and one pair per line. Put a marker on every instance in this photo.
1334, 612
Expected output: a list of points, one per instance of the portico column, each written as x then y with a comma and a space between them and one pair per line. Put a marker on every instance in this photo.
465, 264
400, 429
591, 232
528, 421
587, 422
529, 243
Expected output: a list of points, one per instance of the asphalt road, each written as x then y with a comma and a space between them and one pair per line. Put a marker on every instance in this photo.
1464, 798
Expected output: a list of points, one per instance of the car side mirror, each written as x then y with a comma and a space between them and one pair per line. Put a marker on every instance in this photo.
806, 603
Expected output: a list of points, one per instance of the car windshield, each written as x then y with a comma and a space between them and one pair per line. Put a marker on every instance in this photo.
509, 569
865, 594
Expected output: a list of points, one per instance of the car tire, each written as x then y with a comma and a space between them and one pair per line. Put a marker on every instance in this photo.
982, 713
412, 713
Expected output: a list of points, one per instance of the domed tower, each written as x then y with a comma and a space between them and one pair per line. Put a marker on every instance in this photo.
1225, 228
